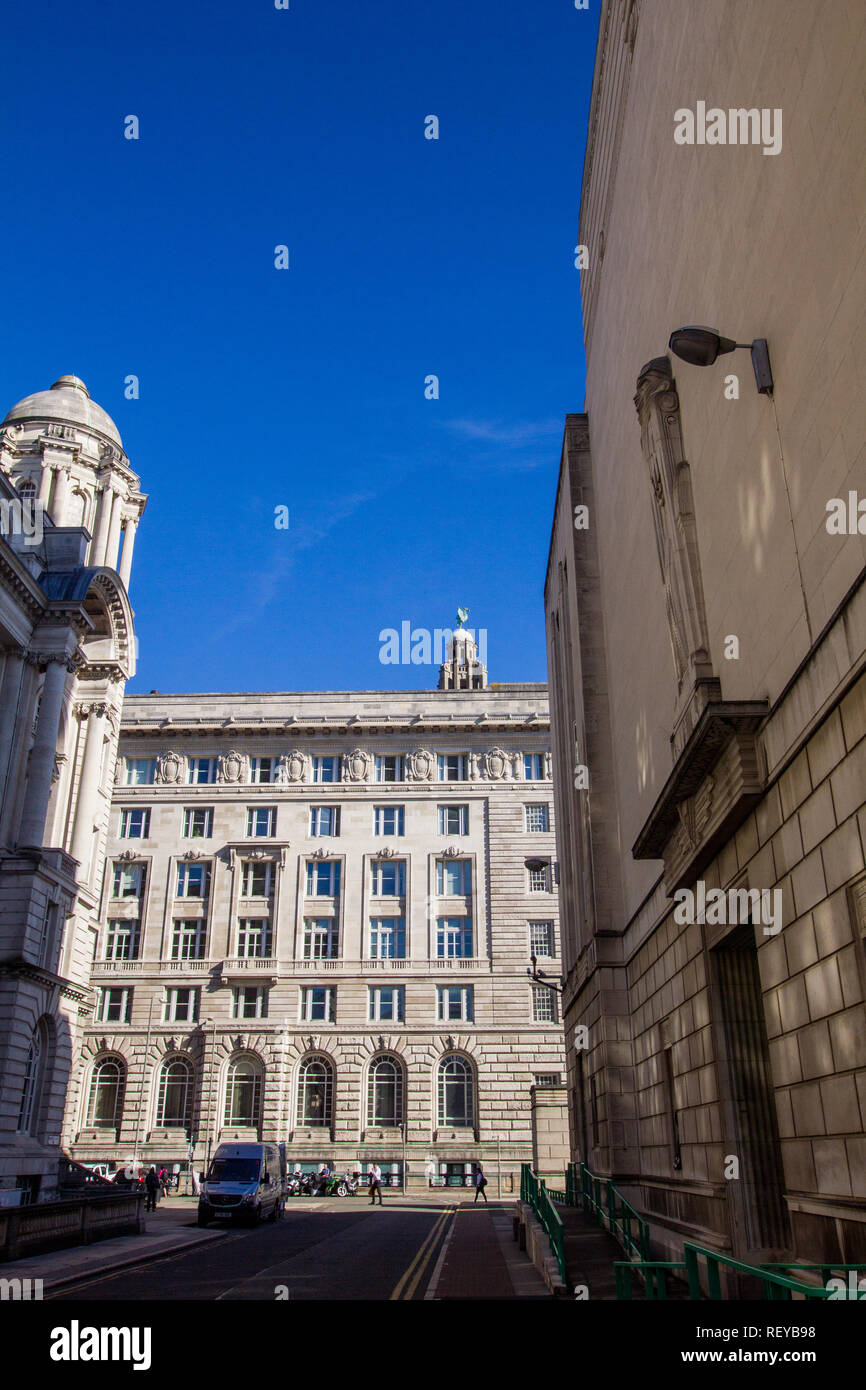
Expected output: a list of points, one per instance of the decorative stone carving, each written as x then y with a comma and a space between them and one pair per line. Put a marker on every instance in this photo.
658, 408
452, 852
473, 767
231, 767
192, 854
293, 767
357, 765
385, 853
170, 767
419, 765
319, 854
128, 854
516, 763
496, 763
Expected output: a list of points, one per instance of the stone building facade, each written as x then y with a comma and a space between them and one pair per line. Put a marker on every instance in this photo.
706, 618
70, 504
316, 921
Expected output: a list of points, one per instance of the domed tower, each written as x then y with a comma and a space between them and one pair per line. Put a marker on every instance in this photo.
462, 668
61, 447
67, 648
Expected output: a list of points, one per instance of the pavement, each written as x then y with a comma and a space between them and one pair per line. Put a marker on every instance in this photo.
435, 1245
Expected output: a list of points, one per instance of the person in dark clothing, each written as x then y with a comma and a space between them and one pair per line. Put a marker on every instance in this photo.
480, 1184
151, 1187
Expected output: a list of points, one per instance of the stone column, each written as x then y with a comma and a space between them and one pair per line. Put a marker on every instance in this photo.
103, 516
128, 545
9, 703
45, 484
61, 497
41, 764
114, 533
88, 790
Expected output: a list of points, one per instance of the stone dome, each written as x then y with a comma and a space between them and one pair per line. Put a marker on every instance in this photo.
68, 402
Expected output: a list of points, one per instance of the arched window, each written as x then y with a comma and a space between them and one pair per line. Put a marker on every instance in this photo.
456, 1101
174, 1103
105, 1103
27, 491
315, 1092
385, 1092
32, 1078
244, 1093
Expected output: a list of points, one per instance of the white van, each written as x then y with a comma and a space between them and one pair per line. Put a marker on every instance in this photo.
244, 1182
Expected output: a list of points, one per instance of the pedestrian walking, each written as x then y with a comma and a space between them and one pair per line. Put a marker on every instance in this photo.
163, 1181
480, 1184
375, 1184
151, 1187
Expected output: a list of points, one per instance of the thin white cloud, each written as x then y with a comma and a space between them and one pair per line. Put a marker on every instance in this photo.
509, 435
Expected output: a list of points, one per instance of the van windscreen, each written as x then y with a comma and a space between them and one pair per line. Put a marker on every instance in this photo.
234, 1170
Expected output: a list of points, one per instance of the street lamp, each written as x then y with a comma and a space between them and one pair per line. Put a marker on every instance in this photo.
701, 346
540, 977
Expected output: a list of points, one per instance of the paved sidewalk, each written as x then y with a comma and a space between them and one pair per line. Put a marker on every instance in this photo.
481, 1259
168, 1229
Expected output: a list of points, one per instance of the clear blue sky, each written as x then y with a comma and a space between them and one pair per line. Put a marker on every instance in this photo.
305, 387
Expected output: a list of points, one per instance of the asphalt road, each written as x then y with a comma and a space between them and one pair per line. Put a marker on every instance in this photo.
354, 1253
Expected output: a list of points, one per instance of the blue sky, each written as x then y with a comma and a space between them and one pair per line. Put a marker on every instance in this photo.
305, 387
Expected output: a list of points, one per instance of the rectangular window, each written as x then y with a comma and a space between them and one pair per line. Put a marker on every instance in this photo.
128, 881
254, 937
193, 880
121, 939
453, 820
389, 878
198, 822
324, 820
452, 767
547, 1078
543, 1004
327, 768
140, 772
389, 768
188, 937
388, 938
115, 1006
537, 818
389, 820
181, 1006
541, 939
262, 820
453, 937
318, 1004
539, 877
134, 824
453, 878
323, 878
533, 767
201, 771
455, 1002
250, 1001
262, 769
256, 879
386, 1004
321, 938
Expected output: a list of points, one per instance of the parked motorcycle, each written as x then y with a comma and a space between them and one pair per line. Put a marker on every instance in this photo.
347, 1185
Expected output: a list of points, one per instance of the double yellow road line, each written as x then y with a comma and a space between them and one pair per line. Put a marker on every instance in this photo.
409, 1282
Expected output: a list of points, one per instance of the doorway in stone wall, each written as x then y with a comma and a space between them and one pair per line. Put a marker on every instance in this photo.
760, 1228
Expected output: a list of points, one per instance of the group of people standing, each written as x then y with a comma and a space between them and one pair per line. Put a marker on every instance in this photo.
156, 1185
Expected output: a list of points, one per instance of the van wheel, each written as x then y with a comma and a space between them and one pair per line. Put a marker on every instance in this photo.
202, 1219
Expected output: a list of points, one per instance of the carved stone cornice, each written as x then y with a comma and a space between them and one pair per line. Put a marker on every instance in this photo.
714, 784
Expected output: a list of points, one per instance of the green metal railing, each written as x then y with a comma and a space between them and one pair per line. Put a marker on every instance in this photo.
777, 1287
599, 1197
534, 1192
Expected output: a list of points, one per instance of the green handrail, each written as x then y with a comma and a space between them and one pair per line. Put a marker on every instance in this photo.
606, 1202
533, 1191
776, 1287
